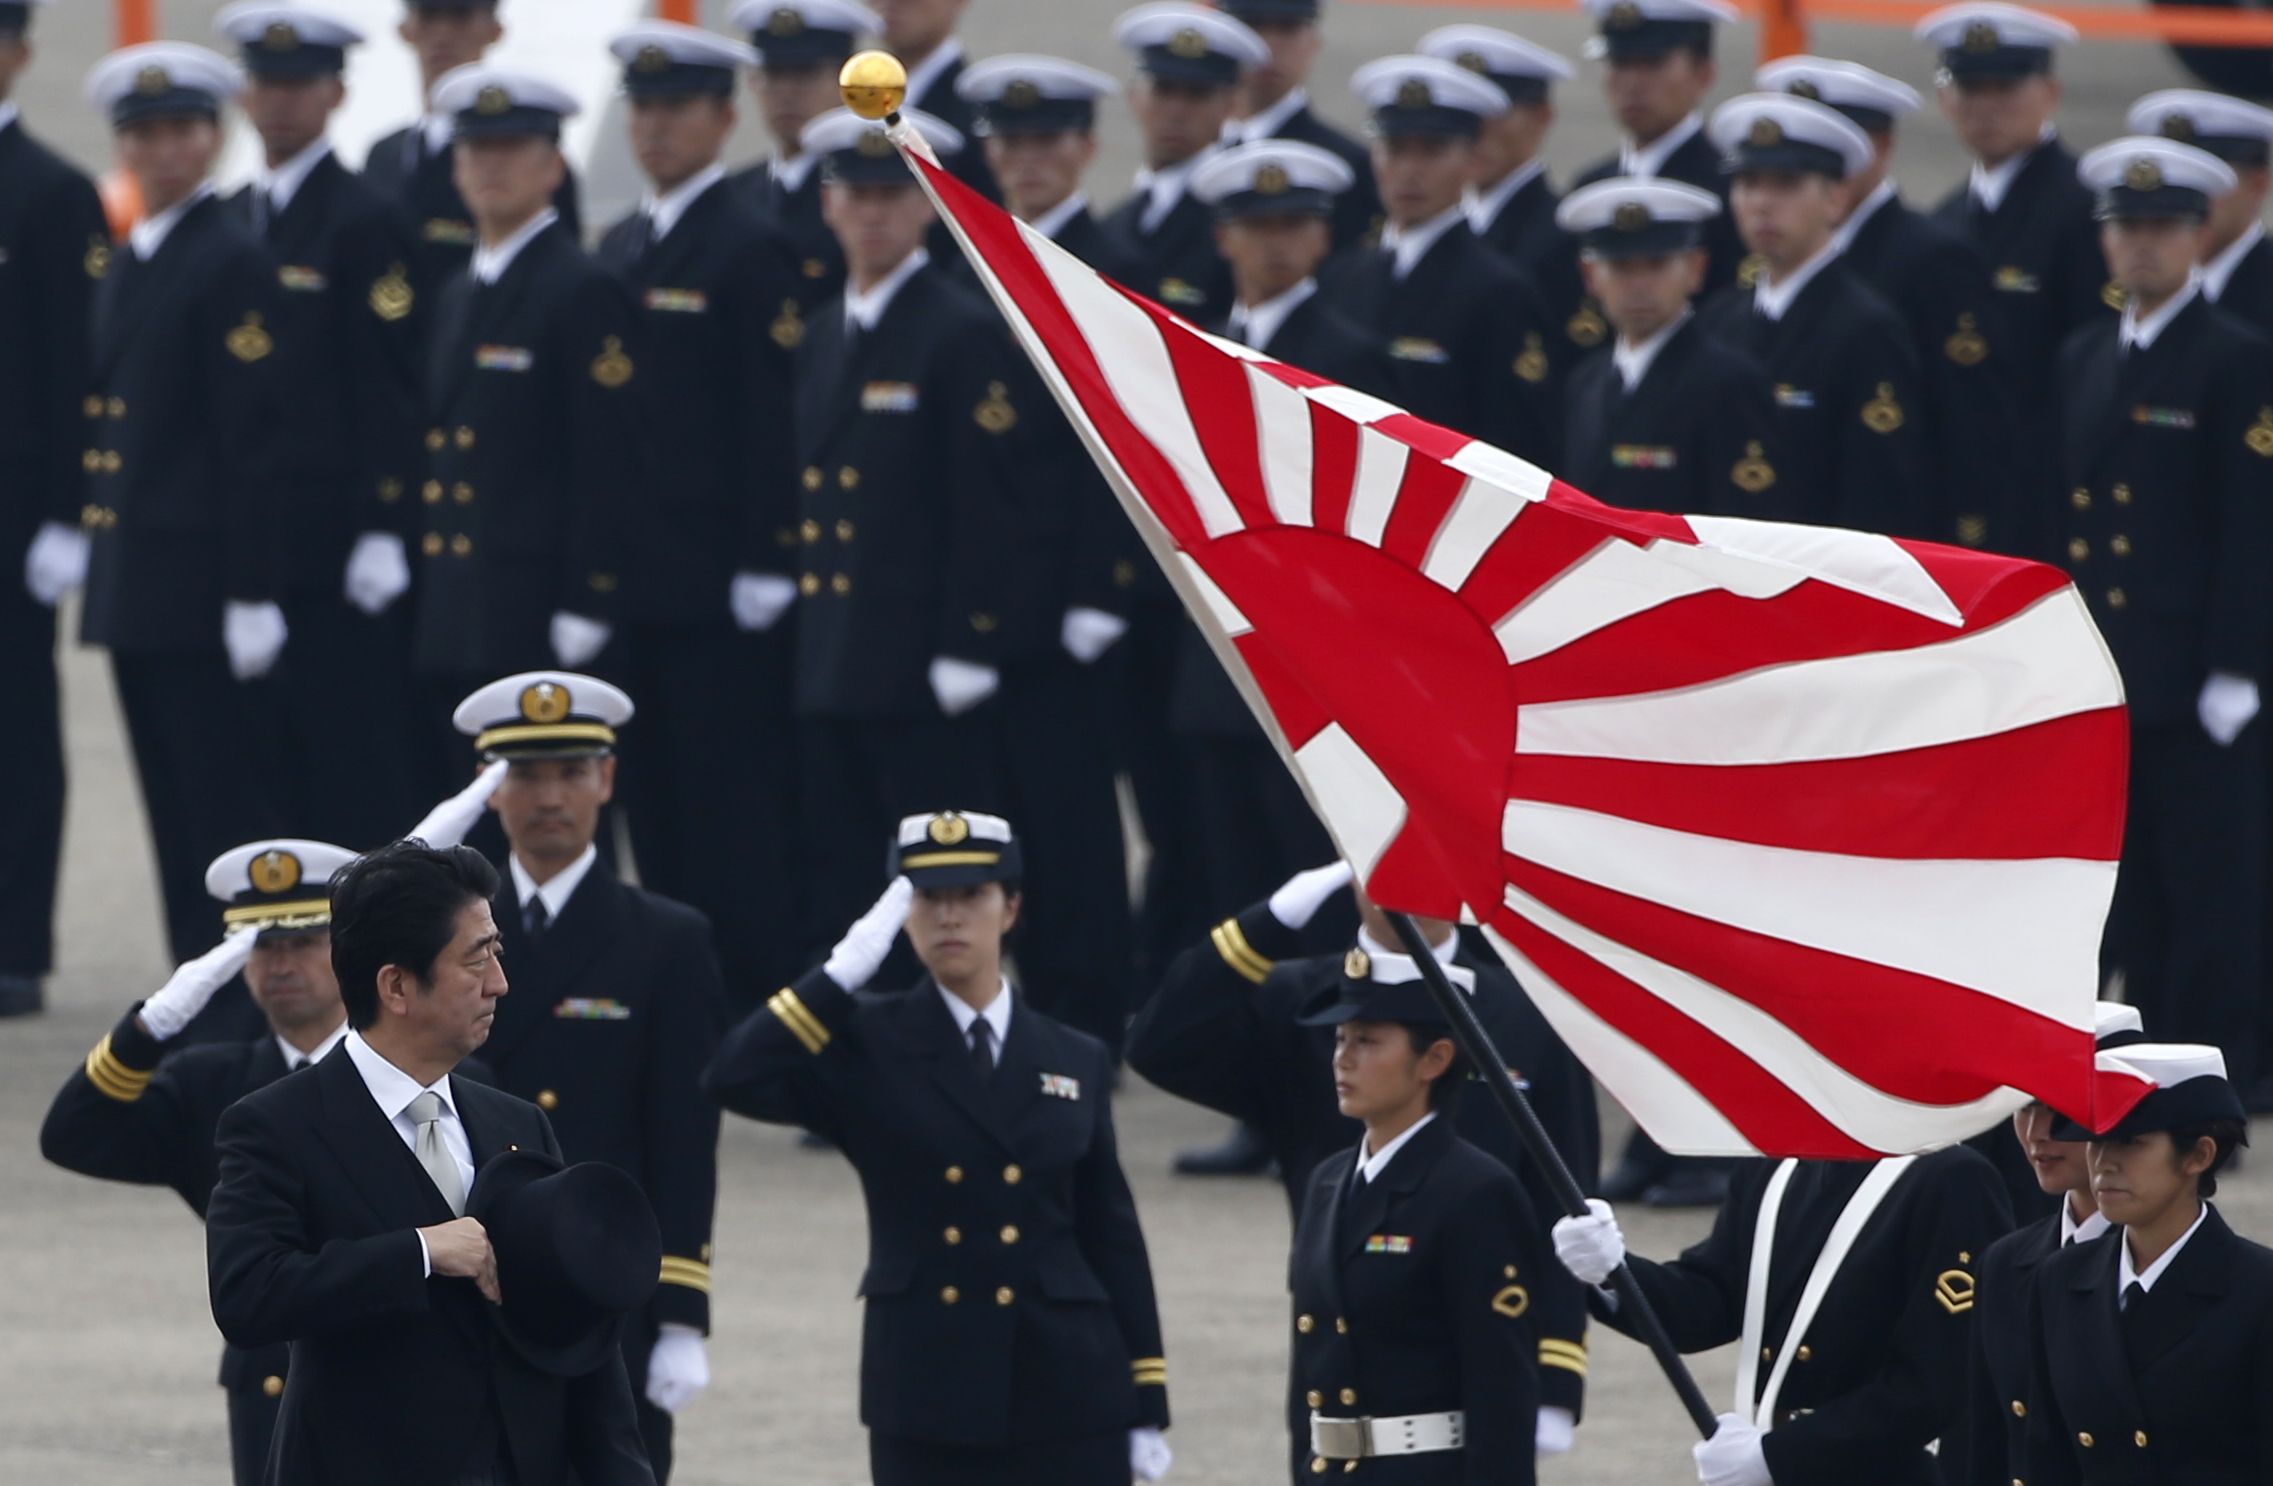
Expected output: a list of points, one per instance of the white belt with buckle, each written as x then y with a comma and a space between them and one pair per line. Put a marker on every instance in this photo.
1407, 1434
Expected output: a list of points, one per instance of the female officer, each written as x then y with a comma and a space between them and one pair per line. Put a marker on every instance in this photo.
1011, 1335
1413, 1259
2153, 1355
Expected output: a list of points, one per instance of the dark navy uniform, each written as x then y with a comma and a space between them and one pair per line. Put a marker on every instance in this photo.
2248, 291
815, 257
1881, 1371
54, 248
1694, 162
1995, 1443
406, 169
1695, 436
1174, 260
1011, 1333
939, 97
1222, 1031
795, 35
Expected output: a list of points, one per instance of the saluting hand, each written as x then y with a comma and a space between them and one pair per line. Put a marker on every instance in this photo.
1300, 897
446, 824
460, 1249
860, 954
187, 990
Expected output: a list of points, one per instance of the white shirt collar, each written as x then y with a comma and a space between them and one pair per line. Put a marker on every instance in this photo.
1266, 123
2072, 1231
2125, 1274
1774, 299
489, 264
789, 171
864, 310
147, 236
1164, 187
925, 73
997, 1014
1484, 207
2216, 273
1370, 1167
436, 130
293, 1057
558, 889
1411, 244
1445, 953
1868, 207
1254, 325
1633, 362
391, 1088
7, 114
2139, 331
1646, 160
284, 182
1989, 183
1051, 222
669, 207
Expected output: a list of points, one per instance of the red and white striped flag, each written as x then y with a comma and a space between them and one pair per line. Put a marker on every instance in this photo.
1801, 838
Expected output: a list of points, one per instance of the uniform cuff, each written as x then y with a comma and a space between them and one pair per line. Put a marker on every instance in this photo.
683, 1297
811, 1010
1254, 942
1151, 1376
1562, 1374
120, 1065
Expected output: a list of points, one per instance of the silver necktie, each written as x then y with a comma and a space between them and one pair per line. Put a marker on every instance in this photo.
434, 1153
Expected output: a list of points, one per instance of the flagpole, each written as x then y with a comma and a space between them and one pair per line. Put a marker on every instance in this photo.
1476, 1044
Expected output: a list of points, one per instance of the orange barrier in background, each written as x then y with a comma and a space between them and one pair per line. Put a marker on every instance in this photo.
682, 11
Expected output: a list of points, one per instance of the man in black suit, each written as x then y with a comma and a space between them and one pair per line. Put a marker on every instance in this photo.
535, 452
801, 44
1274, 103
412, 167
186, 492
336, 1224
1851, 450
143, 1108
617, 1006
709, 571
908, 434
347, 327
53, 250
2166, 450
1658, 69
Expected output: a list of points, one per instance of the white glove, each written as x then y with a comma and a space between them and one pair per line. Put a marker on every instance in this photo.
1149, 1455
1300, 897
576, 639
55, 563
254, 636
760, 599
1732, 1457
377, 571
1555, 1433
678, 1368
446, 824
1590, 1247
858, 956
1089, 633
2227, 704
183, 996
961, 685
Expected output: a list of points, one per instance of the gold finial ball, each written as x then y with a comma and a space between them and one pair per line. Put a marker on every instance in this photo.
874, 84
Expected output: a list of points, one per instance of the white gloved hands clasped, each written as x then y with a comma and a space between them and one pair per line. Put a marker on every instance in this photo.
1300, 897
1555, 1433
185, 993
1088, 633
1591, 1247
1149, 1455
448, 823
575, 639
678, 1368
1733, 1456
758, 600
960, 685
254, 636
378, 572
860, 954
2227, 705
55, 563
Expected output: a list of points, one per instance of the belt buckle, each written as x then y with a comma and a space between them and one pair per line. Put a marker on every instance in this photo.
1341, 1439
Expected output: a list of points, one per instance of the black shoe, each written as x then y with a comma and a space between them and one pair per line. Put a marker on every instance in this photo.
2258, 1097
1690, 1186
21, 995
1629, 1179
1241, 1153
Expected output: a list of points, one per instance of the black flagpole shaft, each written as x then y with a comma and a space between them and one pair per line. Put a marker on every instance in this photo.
1633, 1306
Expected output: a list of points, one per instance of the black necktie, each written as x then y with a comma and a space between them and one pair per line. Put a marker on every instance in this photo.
2134, 1318
535, 917
982, 1049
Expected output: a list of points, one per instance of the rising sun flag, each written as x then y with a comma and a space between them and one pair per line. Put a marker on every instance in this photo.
1801, 839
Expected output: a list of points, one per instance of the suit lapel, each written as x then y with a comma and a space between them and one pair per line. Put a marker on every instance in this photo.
2091, 1299
931, 1032
2186, 1293
1369, 1206
572, 947
494, 304
130, 280
1017, 1083
377, 1160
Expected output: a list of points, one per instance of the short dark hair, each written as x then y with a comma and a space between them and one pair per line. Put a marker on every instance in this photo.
399, 905
2228, 1135
1425, 1035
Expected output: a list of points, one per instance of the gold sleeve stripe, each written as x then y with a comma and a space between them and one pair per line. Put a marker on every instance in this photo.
691, 1273
1150, 1372
1237, 952
113, 1078
802, 1024
1564, 1355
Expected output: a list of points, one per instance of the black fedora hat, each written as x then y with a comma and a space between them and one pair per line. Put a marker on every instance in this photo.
577, 1249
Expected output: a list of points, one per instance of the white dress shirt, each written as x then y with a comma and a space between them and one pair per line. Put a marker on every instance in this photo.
1774, 299
7, 115
997, 1014
1646, 160
1164, 187
147, 236
434, 131
789, 171
665, 210
2216, 274
1052, 222
555, 890
1254, 325
490, 263
2072, 1231
294, 1059
1483, 208
863, 309
2125, 1274
1266, 123
1370, 1166
393, 1090
1633, 362
1989, 183
1844, 234
2139, 331
283, 182
1411, 244
925, 73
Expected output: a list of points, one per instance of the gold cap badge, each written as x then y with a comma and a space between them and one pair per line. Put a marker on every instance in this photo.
545, 703
1188, 44
785, 21
492, 101
1980, 37
1631, 216
2178, 126
1805, 89
1764, 134
1473, 61
651, 59
274, 872
151, 81
280, 37
1414, 93
1021, 93
1624, 16
2143, 175
1271, 180
1357, 964
949, 829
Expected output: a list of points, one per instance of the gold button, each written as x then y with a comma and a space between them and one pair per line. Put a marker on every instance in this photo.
983, 623
465, 438
1349, 1395
809, 585
1509, 1272
462, 493
2122, 494
93, 407
848, 478
2080, 498
840, 585
2020, 1410
435, 439
1005, 1295
2078, 549
950, 1295
953, 1234
809, 529
2116, 598
1318, 1466
844, 531
1767, 1354
111, 461
2119, 545
431, 544
2139, 1438
117, 407
547, 1100
461, 545
1304, 1324
1803, 1354
1341, 1326
1314, 1398
812, 477
2084, 1439
1012, 1176
431, 492
1010, 1233
1348, 1466
272, 1385
91, 461
954, 1173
